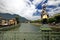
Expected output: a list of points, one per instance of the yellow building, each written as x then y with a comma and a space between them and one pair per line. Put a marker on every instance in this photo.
4, 22
12, 22
7, 21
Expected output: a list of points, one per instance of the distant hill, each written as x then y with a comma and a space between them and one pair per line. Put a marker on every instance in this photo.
9, 16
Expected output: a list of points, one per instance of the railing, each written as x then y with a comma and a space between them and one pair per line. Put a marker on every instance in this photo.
15, 35
20, 35
51, 35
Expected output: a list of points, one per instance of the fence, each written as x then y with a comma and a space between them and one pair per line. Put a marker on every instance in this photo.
13, 35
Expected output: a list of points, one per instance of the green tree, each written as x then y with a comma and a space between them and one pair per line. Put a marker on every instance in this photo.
57, 17
44, 21
51, 20
17, 19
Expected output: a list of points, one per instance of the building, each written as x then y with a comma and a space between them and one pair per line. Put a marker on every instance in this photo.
6, 22
44, 15
0, 20
3, 21
12, 22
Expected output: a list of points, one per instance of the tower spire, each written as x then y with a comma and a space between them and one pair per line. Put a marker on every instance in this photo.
44, 15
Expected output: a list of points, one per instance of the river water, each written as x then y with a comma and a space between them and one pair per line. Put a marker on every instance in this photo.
26, 31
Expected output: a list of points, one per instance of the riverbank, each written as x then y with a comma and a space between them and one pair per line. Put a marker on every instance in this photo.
50, 25
36, 24
57, 25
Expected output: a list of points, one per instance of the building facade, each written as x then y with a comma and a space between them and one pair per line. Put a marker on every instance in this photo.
6, 22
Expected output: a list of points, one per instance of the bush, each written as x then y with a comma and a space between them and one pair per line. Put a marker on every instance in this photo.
51, 20
17, 19
57, 17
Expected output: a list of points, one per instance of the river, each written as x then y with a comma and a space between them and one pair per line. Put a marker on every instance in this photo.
26, 31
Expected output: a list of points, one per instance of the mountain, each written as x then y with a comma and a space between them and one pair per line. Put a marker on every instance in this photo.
10, 16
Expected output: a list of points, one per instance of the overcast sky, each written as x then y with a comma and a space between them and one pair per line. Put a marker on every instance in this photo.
30, 9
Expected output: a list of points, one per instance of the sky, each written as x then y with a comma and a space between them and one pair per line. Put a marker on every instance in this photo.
30, 9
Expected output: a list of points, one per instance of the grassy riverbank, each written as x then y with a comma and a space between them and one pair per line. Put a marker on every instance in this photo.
36, 24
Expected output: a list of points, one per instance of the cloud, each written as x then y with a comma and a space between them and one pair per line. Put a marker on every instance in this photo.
12, 5
53, 2
36, 2
53, 7
26, 8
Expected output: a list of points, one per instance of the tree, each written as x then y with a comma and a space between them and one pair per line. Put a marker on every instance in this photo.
57, 17
17, 19
44, 21
51, 20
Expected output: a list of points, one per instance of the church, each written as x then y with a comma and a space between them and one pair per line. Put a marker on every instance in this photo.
44, 14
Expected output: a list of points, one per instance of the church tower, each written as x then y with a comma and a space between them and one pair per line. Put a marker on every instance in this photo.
44, 15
